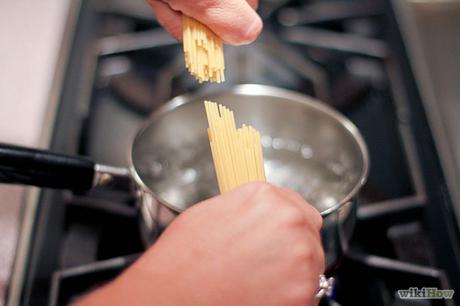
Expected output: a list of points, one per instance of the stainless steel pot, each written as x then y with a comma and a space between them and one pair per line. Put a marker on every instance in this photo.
308, 147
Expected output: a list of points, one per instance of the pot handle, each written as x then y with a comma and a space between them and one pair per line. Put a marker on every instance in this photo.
20, 165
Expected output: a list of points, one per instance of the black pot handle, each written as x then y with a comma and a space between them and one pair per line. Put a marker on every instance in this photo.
19, 165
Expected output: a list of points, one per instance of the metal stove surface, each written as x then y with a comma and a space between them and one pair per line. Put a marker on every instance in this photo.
346, 53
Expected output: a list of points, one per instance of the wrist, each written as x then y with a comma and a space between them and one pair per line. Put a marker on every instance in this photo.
135, 286
144, 285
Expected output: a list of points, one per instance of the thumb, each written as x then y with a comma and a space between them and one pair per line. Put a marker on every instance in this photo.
235, 21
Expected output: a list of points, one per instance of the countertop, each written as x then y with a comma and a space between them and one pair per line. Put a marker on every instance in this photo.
32, 35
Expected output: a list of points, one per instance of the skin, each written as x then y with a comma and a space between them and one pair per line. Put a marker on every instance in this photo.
256, 245
235, 21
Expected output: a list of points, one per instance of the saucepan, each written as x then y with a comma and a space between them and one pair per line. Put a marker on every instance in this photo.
308, 147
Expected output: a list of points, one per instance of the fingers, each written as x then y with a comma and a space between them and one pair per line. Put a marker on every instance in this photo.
235, 21
168, 18
253, 3
248, 190
311, 212
316, 258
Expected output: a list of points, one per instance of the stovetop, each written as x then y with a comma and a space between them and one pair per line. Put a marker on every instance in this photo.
348, 54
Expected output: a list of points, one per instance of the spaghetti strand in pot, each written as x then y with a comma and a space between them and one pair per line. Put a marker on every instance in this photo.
236, 152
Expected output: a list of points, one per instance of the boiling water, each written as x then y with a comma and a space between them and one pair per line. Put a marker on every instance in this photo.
188, 177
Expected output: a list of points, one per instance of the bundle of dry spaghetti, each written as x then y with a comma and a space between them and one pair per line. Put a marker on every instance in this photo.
237, 153
203, 51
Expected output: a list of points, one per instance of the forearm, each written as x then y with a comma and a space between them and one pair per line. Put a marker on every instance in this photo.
133, 288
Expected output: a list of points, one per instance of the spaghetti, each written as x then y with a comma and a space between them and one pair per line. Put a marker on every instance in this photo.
203, 51
236, 152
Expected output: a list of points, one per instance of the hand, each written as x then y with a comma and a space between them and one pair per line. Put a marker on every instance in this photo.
235, 21
256, 245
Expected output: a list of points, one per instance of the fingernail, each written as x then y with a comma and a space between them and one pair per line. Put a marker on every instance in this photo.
252, 31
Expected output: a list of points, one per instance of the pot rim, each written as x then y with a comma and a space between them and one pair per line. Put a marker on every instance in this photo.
259, 90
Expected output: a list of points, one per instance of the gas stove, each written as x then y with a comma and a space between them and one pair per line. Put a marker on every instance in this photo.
348, 54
